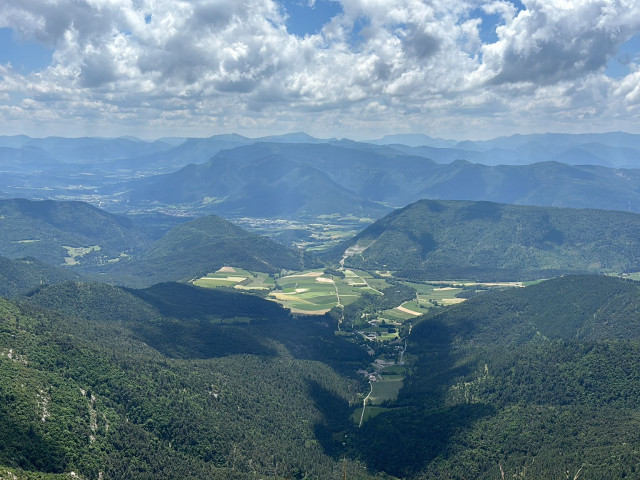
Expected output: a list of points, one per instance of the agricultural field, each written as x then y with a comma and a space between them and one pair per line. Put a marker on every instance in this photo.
308, 292
386, 388
316, 292
238, 278
632, 276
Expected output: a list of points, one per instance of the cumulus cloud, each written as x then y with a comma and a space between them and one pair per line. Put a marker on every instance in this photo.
378, 64
554, 40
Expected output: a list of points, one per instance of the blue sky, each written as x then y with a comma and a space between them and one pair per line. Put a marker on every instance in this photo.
24, 56
354, 68
304, 19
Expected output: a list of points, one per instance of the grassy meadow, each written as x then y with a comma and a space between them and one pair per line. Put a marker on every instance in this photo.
233, 277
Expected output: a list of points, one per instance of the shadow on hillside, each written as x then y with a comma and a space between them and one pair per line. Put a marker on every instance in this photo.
207, 323
336, 418
29, 449
421, 426
190, 339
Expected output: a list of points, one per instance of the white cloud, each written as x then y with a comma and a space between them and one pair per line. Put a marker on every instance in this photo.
555, 40
381, 64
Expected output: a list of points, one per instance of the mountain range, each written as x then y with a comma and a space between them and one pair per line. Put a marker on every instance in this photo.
305, 180
427, 240
302, 176
94, 242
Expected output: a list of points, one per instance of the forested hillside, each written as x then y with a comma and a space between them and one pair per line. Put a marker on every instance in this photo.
203, 245
433, 239
93, 241
158, 393
537, 382
73, 233
19, 276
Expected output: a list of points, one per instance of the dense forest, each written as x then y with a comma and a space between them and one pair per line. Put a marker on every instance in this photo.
168, 393
540, 382
176, 381
204, 245
433, 239
42, 229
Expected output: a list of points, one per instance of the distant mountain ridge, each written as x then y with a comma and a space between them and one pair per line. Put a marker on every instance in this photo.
367, 180
224, 174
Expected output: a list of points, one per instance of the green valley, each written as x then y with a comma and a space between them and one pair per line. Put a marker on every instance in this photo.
173, 360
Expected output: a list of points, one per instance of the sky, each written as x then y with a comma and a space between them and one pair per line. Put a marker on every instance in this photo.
461, 69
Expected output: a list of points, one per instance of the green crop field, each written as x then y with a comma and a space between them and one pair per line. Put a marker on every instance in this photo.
306, 292
386, 388
395, 370
314, 291
362, 279
396, 315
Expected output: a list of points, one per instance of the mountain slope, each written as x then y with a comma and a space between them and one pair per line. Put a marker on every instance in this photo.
446, 239
348, 177
42, 229
259, 180
19, 276
533, 382
204, 245
147, 396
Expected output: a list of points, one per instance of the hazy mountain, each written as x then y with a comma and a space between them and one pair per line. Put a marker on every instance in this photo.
413, 140
127, 153
346, 177
85, 150
556, 141
295, 137
481, 240
23, 160
263, 180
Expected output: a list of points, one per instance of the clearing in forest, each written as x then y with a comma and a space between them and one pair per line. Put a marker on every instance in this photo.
235, 278
78, 252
